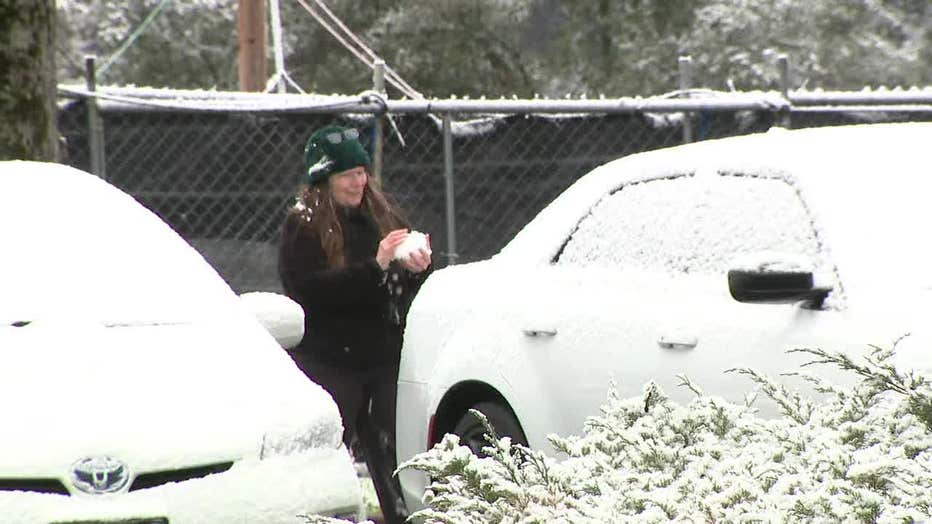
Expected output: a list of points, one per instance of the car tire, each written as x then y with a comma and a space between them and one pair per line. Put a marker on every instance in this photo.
472, 433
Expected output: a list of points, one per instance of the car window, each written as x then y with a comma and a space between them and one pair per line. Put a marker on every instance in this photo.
636, 226
693, 224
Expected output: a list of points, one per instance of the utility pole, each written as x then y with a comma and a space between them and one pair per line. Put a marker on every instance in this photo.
253, 61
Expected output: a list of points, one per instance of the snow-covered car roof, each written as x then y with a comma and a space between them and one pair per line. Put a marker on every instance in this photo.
841, 173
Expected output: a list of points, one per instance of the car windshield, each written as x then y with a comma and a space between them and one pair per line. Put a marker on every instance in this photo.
88, 251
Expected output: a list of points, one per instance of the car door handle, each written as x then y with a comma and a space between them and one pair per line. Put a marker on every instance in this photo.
677, 342
540, 332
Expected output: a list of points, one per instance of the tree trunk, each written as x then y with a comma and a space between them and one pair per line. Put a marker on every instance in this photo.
27, 80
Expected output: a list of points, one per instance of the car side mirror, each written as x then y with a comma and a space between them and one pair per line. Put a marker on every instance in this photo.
773, 287
769, 278
282, 317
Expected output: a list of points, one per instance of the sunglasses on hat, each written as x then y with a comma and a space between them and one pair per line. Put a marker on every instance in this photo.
337, 137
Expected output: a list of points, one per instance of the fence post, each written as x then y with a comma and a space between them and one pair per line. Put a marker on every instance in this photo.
783, 62
686, 66
95, 130
378, 84
448, 178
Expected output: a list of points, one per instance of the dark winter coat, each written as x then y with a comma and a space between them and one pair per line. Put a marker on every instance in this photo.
354, 315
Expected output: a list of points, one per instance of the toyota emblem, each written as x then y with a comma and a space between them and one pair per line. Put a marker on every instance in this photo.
99, 475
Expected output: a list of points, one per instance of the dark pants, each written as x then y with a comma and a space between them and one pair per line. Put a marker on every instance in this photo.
366, 399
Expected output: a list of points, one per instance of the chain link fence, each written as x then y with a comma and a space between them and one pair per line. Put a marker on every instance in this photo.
224, 177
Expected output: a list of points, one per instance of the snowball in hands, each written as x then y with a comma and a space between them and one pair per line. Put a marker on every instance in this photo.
413, 242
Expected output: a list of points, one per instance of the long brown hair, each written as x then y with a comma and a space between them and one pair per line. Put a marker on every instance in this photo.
317, 211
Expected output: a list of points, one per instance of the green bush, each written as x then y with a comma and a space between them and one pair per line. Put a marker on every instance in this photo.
864, 453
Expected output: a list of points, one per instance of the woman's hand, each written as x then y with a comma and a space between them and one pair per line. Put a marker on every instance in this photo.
419, 260
388, 245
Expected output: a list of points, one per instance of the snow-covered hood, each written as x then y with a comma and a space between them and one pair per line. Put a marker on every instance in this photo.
155, 396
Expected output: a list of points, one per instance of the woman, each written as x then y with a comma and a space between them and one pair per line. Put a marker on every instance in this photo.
336, 260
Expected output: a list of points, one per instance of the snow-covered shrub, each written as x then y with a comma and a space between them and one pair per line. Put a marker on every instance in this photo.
863, 453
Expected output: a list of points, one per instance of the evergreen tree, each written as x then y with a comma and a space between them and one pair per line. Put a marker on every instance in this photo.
831, 45
458, 47
617, 48
185, 45
521, 47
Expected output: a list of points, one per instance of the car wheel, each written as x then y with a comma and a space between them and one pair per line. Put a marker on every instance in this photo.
472, 432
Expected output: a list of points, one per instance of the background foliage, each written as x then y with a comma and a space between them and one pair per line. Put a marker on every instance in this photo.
521, 47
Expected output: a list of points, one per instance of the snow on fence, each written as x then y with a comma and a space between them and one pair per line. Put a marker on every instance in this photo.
222, 168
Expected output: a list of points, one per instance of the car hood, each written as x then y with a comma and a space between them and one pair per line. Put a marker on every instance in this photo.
156, 396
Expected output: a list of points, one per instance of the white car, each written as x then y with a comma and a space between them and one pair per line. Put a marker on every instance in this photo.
692, 259
136, 386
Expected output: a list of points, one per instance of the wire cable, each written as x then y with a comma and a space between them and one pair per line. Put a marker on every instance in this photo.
379, 98
391, 76
133, 36
410, 91
335, 34
275, 20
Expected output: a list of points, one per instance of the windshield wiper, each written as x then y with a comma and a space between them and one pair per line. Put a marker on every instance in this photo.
144, 323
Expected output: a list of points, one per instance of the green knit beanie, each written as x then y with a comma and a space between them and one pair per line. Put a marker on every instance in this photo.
333, 149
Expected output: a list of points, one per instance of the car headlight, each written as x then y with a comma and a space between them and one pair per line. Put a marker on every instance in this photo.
287, 439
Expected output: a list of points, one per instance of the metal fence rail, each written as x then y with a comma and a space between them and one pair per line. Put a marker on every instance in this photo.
222, 168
